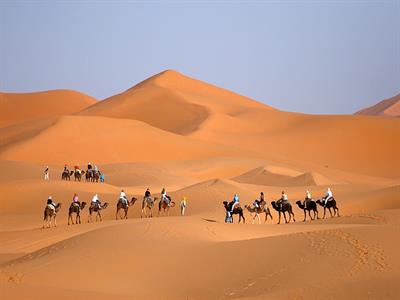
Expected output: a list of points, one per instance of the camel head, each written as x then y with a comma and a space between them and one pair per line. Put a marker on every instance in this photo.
133, 200
83, 204
104, 206
273, 203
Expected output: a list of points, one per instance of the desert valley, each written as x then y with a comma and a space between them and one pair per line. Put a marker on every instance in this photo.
204, 143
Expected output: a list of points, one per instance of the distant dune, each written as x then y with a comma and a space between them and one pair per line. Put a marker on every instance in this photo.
17, 107
388, 108
275, 177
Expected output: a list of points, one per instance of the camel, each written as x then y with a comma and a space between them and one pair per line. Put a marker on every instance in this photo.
311, 205
78, 174
257, 211
331, 204
147, 206
50, 213
237, 211
75, 208
286, 207
66, 175
163, 207
88, 175
123, 205
95, 176
96, 208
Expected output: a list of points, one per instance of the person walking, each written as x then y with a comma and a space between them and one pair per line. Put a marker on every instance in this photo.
183, 205
46, 173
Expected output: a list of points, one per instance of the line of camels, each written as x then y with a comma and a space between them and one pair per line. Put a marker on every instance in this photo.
148, 203
93, 176
286, 207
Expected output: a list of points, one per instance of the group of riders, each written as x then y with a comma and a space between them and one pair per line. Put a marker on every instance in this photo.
284, 198
96, 203
90, 172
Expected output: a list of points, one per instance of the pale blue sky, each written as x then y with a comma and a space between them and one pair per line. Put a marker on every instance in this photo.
307, 56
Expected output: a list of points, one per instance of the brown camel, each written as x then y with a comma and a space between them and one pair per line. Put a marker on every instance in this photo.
75, 208
50, 213
78, 174
123, 205
164, 207
237, 211
66, 175
97, 209
331, 204
259, 210
95, 176
311, 205
88, 175
285, 207
147, 206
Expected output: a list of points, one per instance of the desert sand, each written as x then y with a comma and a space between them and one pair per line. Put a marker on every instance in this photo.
205, 143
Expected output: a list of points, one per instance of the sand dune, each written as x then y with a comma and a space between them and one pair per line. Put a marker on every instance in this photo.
16, 107
79, 139
172, 102
282, 177
204, 143
388, 108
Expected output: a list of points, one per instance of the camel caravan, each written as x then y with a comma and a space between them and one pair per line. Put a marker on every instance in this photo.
92, 174
123, 204
282, 206
164, 203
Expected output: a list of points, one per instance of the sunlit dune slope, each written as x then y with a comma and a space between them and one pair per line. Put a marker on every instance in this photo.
17, 107
173, 102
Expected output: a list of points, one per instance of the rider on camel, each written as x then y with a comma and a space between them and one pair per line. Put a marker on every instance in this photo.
147, 193
284, 198
328, 196
123, 197
96, 201
257, 202
307, 198
235, 202
75, 200
51, 204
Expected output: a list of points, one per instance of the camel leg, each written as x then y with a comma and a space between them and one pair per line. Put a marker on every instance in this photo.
305, 215
78, 217
255, 215
330, 211
337, 212
284, 215
55, 221
279, 221
324, 212
259, 220
116, 214
100, 217
309, 213
69, 217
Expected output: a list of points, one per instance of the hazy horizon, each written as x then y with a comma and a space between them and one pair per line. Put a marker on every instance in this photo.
306, 56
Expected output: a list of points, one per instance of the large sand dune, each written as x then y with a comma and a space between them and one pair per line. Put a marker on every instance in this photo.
204, 143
